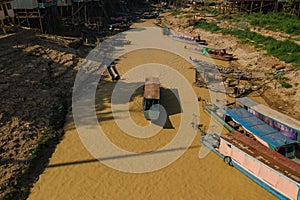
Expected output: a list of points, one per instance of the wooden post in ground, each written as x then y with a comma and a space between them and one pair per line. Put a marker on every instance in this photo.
276, 6
241, 6
18, 18
40, 20
2, 25
27, 18
261, 5
78, 10
85, 13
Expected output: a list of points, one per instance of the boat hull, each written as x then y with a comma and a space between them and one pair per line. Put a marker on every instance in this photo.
246, 172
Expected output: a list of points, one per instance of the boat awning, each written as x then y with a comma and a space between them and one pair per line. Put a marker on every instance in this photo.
258, 127
246, 101
273, 114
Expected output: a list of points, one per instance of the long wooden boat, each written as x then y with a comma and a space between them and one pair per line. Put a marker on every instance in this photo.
151, 98
213, 52
272, 171
241, 120
286, 125
188, 39
150, 15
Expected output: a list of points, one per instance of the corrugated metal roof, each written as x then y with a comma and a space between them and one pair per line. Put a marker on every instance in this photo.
258, 127
246, 101
24, 4
269, 112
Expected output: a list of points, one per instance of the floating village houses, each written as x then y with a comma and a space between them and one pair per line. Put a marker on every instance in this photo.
53, 15
6, 13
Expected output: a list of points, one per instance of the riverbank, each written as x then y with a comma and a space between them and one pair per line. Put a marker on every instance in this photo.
282, 91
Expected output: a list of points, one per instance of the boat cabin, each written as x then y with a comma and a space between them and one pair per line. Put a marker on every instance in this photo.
243, 121
151, 98
275, 173
286, 125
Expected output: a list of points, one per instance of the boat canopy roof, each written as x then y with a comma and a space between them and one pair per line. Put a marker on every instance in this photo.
269, 112
258, 127
152, 88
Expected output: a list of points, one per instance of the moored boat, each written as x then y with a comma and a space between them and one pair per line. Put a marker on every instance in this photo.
286, 125
239, 119
181, 37
196, 40
213, 52
272, 171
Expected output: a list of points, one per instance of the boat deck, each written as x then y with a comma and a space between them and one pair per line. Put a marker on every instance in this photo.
270, 158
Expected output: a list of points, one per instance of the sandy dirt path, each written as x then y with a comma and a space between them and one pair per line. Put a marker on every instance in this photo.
73, 173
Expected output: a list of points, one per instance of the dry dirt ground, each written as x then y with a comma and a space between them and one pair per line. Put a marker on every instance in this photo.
285, 100
36, 72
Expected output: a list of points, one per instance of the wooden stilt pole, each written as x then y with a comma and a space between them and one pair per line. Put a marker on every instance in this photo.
261, 6
40, 19
241, 6
27, 18
2, 25
85, 13
18, 18
78, 11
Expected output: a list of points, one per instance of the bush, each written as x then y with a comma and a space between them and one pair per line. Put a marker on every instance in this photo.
286, 85
213, 27
176, 12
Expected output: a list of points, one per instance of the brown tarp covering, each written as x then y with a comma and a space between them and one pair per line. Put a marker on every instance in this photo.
269, 157
152, 88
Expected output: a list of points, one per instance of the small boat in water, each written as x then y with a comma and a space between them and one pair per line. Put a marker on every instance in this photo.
189, 39
181, 37
213, 52
272, 171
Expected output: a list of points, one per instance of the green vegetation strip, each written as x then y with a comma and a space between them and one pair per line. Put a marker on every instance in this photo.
284, 50
38, 158
272, 21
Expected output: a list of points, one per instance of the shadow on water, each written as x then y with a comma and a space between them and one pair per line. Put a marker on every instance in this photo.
172, 106
122, 156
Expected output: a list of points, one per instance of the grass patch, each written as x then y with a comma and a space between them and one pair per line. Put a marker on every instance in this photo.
213, 27
210, 10
282, 80
286, 85
176, 12
283, 22
284, 50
